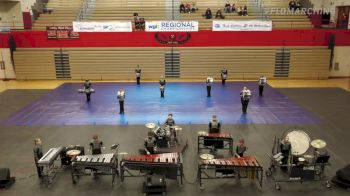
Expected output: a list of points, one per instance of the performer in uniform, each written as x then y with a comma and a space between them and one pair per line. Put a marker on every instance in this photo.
38, 153
241, 148
285, 148
96, 145
214, 125
223, 76
245, 96
209, 82
162, 83
121, 98
150, 143
138, 74
170, 121
262, 82
87, 89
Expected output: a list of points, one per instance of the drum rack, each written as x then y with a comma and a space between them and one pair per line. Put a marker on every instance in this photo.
311, 172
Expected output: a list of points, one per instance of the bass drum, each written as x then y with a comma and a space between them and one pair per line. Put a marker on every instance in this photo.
300, 142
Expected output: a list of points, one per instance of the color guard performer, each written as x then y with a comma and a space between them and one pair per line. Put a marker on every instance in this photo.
224, 73
241, 148
150, 143
96, 145
245, 97
262, 82
38, 153
87, 89
121, 98
214, 125
138, 74
162, 86
209, 82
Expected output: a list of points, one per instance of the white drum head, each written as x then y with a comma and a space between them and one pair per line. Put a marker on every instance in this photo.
300, 142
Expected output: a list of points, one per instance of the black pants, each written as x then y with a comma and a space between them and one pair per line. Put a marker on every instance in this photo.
223, 81
121, 107
138, 80
244, 105
208, 91
88, 97
39, 170
261, 89
162, 94
96, 151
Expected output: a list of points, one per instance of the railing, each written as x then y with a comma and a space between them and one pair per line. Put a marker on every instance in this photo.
82, 11
12, 25
261, 10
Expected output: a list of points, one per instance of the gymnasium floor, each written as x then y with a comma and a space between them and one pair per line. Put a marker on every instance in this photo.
331, 106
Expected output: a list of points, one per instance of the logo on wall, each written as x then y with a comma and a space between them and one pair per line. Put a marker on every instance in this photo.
171, 39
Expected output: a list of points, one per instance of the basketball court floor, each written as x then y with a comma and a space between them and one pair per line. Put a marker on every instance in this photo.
55, 112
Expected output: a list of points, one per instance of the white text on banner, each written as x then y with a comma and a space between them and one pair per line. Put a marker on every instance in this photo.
248, 25
171, 26
102, 26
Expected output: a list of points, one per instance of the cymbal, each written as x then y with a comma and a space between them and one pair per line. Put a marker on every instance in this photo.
207, 156
318, 143
202, 133
307, 156
150, 125
123, 153
177, 128
73, 152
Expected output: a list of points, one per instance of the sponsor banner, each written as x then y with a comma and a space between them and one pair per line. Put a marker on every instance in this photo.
102, 26
61, 32
171, 26
248, 25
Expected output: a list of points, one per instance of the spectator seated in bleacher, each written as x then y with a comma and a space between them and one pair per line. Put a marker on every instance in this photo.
139, 22
227, 8
194, 7
219, 15
292, 5
233, 8
245, 11
240, 11
298, 6
188, 8
207, 14
182, 8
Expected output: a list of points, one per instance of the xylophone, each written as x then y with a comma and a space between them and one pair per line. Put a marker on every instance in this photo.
168, 164
48, 164
217, 140
102, 164
243, 167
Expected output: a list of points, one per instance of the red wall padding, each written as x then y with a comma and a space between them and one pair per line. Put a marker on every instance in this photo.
313, 37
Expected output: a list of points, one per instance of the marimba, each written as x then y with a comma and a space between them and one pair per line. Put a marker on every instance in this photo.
232, 167
222, 141
48, 162
168, 164
102, 164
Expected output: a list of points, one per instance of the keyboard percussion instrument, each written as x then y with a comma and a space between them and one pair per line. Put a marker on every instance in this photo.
48, 162
231, 167
168, 164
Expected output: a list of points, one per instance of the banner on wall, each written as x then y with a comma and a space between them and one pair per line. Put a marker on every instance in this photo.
102, 26
248, 25
61, 32
171, 26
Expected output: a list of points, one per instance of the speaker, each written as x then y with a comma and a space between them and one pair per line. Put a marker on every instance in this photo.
4, 177
331, 42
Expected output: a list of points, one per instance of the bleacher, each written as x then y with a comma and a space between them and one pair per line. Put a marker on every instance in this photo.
107, 10
278, 12
64, 12
206, 24
195, 62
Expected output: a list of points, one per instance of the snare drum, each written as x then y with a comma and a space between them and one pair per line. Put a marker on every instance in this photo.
300, 142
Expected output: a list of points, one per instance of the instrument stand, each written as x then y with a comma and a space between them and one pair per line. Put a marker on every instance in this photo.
154, 184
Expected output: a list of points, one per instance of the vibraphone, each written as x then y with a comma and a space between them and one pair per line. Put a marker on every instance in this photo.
233, 167
167, 164
102, 164
48, 161
218, 140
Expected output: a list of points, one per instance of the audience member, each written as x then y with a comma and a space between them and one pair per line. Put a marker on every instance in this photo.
182, 8
239, 11
194, 7
207, 14
245, 11
227, 8
219, 15
233, 8
292, 5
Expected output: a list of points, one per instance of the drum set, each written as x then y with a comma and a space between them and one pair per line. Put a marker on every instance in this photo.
301, 155
165, 136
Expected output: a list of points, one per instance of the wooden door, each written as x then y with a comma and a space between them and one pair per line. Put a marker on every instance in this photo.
341, 22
